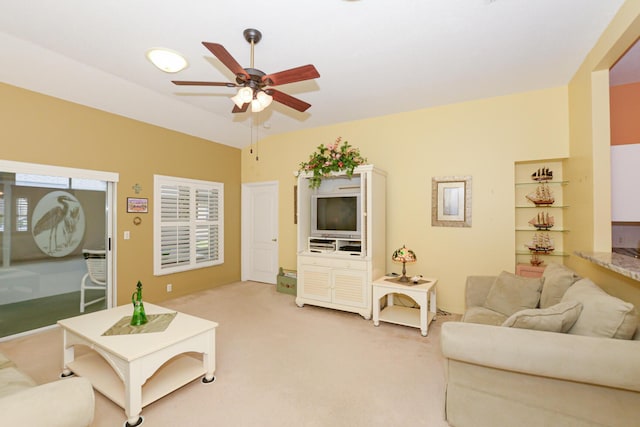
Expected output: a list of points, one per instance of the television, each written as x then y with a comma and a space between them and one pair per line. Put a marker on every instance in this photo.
336, 215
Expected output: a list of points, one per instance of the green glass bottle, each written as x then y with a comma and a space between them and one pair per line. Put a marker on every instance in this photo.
139, 317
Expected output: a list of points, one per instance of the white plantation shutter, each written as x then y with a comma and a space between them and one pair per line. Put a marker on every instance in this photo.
189, 225
207, 225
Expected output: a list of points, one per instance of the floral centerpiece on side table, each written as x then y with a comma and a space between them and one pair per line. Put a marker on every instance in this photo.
332, 158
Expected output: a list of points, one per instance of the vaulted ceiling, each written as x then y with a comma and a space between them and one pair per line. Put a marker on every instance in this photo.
375, 57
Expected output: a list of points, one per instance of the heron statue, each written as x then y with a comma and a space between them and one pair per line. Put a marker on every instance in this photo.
51, 220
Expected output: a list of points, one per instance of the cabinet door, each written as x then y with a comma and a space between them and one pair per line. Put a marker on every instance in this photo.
350, 287
314, 282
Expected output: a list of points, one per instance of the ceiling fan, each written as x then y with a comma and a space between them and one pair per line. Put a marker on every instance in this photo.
255, 85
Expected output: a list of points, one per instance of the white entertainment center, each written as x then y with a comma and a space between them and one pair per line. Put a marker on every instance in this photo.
341, 239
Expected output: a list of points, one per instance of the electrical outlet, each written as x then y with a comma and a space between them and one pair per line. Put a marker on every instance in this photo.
169, 287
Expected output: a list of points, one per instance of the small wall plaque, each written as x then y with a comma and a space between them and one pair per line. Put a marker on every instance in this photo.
136, 205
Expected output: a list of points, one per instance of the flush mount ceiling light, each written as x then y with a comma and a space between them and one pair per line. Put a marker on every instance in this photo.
167, 60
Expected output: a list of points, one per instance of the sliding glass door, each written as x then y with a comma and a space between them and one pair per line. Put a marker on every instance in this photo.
54, 222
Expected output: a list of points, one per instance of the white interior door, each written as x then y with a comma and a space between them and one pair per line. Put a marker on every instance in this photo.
260, 232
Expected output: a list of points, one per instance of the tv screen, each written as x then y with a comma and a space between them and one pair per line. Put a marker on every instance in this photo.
336, 215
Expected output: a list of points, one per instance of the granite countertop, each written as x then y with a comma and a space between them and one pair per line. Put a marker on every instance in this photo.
622, 264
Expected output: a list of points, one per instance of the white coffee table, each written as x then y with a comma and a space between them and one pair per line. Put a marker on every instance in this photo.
424, 294
132, 370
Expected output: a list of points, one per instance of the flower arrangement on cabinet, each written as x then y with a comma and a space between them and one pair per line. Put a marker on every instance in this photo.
332, 158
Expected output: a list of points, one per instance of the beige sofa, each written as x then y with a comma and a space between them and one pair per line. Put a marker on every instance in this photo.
555, 362
64, 403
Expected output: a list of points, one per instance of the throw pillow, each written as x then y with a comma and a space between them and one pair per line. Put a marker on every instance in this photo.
557, 318
510, 293
483, 316
602, 315
556, 279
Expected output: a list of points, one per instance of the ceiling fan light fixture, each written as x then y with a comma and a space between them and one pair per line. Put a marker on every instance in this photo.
256, 106
244, 95
264, 99
167, 60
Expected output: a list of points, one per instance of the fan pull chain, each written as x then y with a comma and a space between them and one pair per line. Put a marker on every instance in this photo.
257, 136
253, 120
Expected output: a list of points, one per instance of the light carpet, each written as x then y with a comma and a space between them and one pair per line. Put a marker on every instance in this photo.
281, 365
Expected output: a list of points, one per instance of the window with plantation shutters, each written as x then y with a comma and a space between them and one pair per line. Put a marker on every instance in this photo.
188, 224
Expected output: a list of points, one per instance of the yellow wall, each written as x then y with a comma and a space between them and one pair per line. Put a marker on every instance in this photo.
481, 138
589, 166
45, 130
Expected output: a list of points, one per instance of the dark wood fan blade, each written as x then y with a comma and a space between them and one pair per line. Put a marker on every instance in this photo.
288, 100
225, 57
188, 83
298, 74
240, 110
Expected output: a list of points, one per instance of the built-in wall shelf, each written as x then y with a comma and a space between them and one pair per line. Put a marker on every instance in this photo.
534, 183
554, 253
527, 188
542, 206
551, 230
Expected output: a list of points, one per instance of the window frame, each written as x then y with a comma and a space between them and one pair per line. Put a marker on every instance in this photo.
194, 224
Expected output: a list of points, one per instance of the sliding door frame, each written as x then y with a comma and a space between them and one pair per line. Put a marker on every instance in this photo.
112, 179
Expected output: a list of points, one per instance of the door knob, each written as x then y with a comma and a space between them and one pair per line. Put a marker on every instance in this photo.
274, 240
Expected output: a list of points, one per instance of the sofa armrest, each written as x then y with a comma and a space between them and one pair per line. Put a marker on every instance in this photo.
64, 403
603, 361
476, 290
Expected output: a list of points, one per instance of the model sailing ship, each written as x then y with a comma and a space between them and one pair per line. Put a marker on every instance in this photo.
543, 196
541, 243
542, 221
542, 174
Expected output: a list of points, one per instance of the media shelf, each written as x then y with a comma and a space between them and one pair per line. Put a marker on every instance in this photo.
326, 245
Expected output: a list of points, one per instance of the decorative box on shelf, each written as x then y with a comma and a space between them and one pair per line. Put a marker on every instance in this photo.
287, 281
528, 270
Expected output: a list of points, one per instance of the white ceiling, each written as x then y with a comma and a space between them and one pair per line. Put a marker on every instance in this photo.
375, 57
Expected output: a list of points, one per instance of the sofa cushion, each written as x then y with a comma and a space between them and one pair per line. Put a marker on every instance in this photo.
602, 315
556, 279
557, 318
510, 293
12, 380
484, 316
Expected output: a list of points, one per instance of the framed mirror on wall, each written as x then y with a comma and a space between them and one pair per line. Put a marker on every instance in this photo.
451, 201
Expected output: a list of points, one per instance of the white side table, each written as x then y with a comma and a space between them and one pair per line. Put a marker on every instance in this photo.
423, 293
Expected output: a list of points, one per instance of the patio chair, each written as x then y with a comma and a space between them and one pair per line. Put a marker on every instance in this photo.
96, 276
